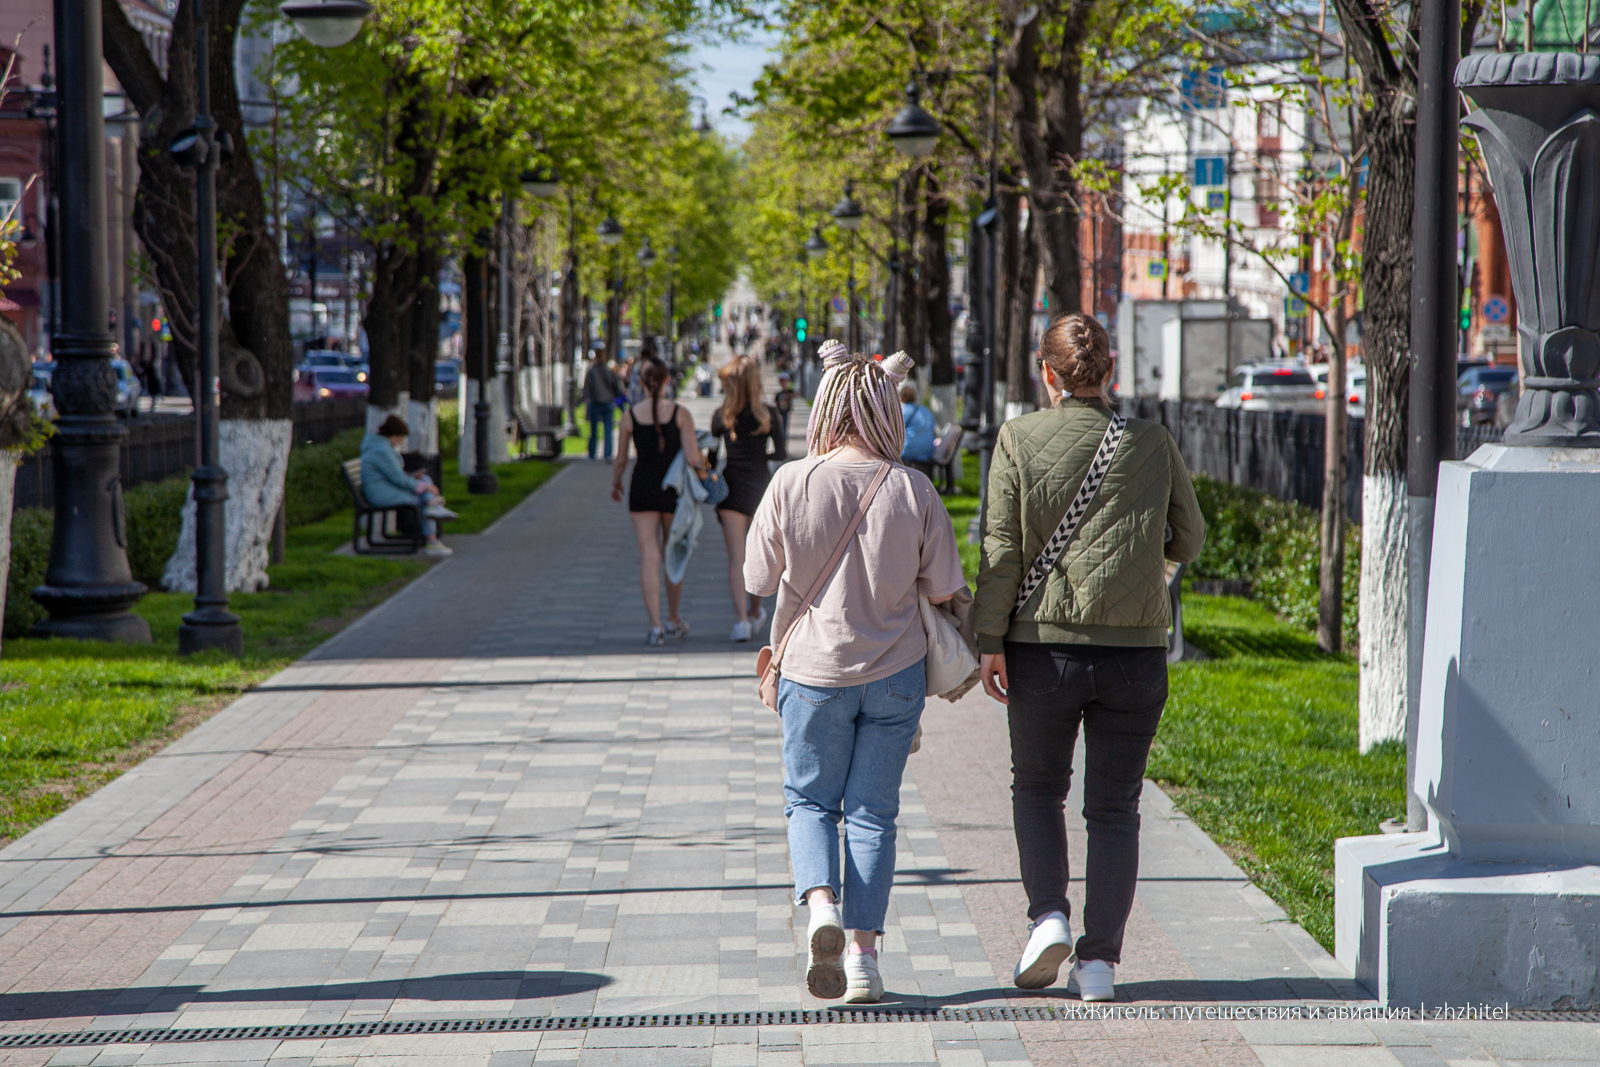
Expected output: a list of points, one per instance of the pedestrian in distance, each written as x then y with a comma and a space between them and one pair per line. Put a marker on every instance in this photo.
658, 434
849, 540
600, 392
783, 400
920, 442
386, 484
1095, 504
754, 435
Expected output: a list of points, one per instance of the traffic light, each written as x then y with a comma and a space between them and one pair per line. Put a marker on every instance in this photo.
800, 330
1466, 318
718, 313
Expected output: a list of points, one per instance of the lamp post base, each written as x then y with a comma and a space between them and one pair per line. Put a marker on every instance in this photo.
121, 626
210, 628
483, 483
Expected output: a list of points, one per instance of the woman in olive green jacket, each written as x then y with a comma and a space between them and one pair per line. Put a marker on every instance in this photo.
1087, 647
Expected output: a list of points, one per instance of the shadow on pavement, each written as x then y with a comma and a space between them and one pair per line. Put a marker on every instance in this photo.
468, 986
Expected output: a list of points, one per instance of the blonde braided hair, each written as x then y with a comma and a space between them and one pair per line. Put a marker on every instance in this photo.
858, 398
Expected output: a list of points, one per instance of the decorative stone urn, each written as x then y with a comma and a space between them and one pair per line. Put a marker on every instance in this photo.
1538, 124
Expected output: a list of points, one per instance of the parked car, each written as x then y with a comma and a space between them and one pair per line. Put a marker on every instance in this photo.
128, 388
39, 390
447, 378
329, 357
1275, 386
327, 383
1478, 393
1355, 387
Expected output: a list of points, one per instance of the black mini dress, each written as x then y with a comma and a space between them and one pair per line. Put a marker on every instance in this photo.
657, 446
746, 470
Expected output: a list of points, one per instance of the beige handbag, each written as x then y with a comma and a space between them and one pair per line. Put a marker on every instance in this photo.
769, 659
952, 661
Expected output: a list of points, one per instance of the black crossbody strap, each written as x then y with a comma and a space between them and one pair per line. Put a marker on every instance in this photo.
1069, 522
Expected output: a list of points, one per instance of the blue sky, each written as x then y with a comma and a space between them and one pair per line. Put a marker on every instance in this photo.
729, 66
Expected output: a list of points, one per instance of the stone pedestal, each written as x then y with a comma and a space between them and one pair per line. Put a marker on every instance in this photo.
1500, 901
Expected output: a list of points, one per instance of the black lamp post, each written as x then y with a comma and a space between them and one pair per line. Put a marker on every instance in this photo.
475, 296
610, 234
647, 258
848, 214
88, 587
703, 127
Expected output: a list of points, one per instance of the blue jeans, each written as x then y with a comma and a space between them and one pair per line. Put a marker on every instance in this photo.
844, 753
600, 415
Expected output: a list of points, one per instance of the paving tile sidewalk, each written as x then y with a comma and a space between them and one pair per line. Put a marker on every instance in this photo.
488, 799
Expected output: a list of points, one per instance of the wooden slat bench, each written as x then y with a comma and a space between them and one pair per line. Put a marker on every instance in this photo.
372, 524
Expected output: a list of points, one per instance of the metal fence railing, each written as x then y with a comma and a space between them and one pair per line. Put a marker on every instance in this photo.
1276, 452
159, 446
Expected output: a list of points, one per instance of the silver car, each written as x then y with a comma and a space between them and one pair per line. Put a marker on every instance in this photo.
1271, 387
128, 388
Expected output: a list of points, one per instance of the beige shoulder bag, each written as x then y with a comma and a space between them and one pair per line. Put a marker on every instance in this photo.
769, 659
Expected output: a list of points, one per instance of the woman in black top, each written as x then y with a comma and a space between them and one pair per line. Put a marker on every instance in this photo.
658, 430
748, 424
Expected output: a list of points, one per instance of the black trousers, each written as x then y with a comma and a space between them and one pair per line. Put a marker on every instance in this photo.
1117, 694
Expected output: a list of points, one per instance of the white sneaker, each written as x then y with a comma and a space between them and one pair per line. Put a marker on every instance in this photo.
761, 617
437, 551
677, 630
863, 983
1093, 980
1049, 946
656, 636
741, 631
439, 511
824, 965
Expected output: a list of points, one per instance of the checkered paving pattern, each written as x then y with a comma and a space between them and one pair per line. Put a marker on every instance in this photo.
488, 799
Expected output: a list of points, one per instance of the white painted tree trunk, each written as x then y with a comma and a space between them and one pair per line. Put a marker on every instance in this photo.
376, 414
8, 484
1385, 549
423, 418
942, 402
1017, 407
255, 453
498, 452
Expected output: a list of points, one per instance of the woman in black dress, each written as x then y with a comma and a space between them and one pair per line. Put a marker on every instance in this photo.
748, 424
658, 429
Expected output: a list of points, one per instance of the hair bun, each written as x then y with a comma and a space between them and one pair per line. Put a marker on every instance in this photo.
833, 354
898, 366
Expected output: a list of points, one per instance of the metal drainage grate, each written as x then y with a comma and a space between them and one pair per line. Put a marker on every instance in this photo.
1048, 1013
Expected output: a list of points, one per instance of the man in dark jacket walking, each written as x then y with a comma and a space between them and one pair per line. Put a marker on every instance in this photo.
600, 389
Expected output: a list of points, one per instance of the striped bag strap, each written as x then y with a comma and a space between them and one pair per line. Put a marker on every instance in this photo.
1069, 522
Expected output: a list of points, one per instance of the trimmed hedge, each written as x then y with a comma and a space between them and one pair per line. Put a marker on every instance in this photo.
1277, 546
314, 488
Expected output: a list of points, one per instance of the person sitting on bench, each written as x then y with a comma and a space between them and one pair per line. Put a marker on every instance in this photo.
918, 452
385, 483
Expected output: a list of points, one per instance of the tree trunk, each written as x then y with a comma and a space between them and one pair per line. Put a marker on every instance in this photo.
1330, 580
908, 296
1010, 223
1386, 320
936, 287
1050, 140
257, 354
422, 352
1020, 397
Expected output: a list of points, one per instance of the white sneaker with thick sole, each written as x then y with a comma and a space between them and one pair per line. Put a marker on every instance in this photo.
656, 636
437, 551
760, 618
863, 983
825, 951
741, 631
1093, 980
677, 630
1049, 946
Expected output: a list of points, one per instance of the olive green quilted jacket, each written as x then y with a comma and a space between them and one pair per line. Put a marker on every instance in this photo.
1109, 586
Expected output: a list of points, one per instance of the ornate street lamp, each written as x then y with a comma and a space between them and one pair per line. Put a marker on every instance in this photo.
647, 258
914, 131
88, 586
327, 23
542, 182
610, 232
848, 214
703, 127
816, 246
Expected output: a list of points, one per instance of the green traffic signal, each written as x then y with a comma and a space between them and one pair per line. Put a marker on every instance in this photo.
799, 329
1466, 318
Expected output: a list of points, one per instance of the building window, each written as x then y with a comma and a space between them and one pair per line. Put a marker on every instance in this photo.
1269, 121
1266, 196
10, 196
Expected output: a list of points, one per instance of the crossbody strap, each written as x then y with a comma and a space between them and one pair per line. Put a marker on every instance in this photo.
833, 560
1069, 522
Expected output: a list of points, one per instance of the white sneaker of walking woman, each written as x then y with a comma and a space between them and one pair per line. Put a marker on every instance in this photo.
863, 983
1093, 980
1049, 946
825, 939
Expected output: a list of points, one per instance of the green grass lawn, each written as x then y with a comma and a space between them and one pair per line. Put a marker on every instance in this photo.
75, 714
1259, 744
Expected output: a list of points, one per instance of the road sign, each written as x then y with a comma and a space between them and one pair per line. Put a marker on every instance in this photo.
1300, 282
1210, 170
1157, 268
1495, 331
838, 304
1294, 307
1496, 308
1216, 200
